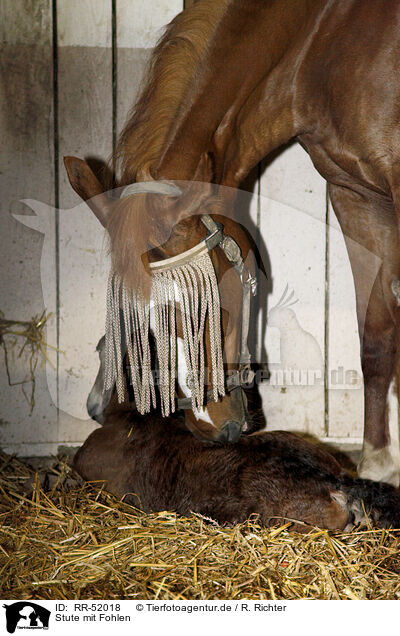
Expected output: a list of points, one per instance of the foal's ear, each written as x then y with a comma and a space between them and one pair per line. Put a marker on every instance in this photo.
86, 184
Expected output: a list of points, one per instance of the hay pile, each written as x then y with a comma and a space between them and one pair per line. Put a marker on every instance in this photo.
77, 542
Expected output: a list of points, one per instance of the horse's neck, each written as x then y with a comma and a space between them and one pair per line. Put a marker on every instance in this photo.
240, 102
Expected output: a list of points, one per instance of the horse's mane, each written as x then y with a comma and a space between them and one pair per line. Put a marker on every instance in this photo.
149, 129
171, 70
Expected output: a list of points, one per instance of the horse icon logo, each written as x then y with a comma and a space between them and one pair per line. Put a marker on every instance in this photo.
26, 615
299, 349
84, 268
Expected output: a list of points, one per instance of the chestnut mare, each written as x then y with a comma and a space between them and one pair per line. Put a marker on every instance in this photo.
230, 82
224, 420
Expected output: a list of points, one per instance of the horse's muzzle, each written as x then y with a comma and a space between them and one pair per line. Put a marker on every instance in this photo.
231, 432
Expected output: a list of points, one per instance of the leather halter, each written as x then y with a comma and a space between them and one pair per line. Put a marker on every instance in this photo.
215, 238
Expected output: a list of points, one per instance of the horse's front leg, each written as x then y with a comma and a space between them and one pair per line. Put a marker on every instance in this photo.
380, 453
370, 231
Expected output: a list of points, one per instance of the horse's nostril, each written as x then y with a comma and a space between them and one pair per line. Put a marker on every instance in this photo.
230, 432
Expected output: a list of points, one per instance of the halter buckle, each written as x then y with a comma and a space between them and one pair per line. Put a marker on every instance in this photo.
247, 375
250, 282
231, 249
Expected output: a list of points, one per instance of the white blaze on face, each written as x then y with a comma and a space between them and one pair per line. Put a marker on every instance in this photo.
183, 373
182, 370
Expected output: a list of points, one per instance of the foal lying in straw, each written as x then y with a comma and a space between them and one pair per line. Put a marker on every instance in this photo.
156, 464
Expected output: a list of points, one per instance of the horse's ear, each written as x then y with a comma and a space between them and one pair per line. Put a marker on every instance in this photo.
86, 184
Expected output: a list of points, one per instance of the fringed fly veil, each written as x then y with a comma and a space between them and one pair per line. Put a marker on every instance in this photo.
188, 282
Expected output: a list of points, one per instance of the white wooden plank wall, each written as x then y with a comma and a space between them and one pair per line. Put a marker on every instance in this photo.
96, 84
27, 171
293, 226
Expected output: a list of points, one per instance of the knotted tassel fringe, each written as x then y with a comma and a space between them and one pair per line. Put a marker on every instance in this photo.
193, 286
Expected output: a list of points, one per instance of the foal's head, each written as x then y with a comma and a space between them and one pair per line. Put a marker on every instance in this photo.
149, 228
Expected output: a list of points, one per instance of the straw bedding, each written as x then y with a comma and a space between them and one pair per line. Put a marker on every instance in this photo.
18, 337
71, 540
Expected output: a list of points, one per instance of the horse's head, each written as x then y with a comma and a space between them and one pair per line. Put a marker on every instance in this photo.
158, 233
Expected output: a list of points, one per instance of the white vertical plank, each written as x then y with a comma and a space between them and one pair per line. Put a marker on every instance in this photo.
26, 124
345, 399
139, 26
141, 23
84, 24
85, 130
292, 225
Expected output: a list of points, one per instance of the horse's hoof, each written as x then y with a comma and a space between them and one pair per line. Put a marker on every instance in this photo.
395, 287
230, 432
